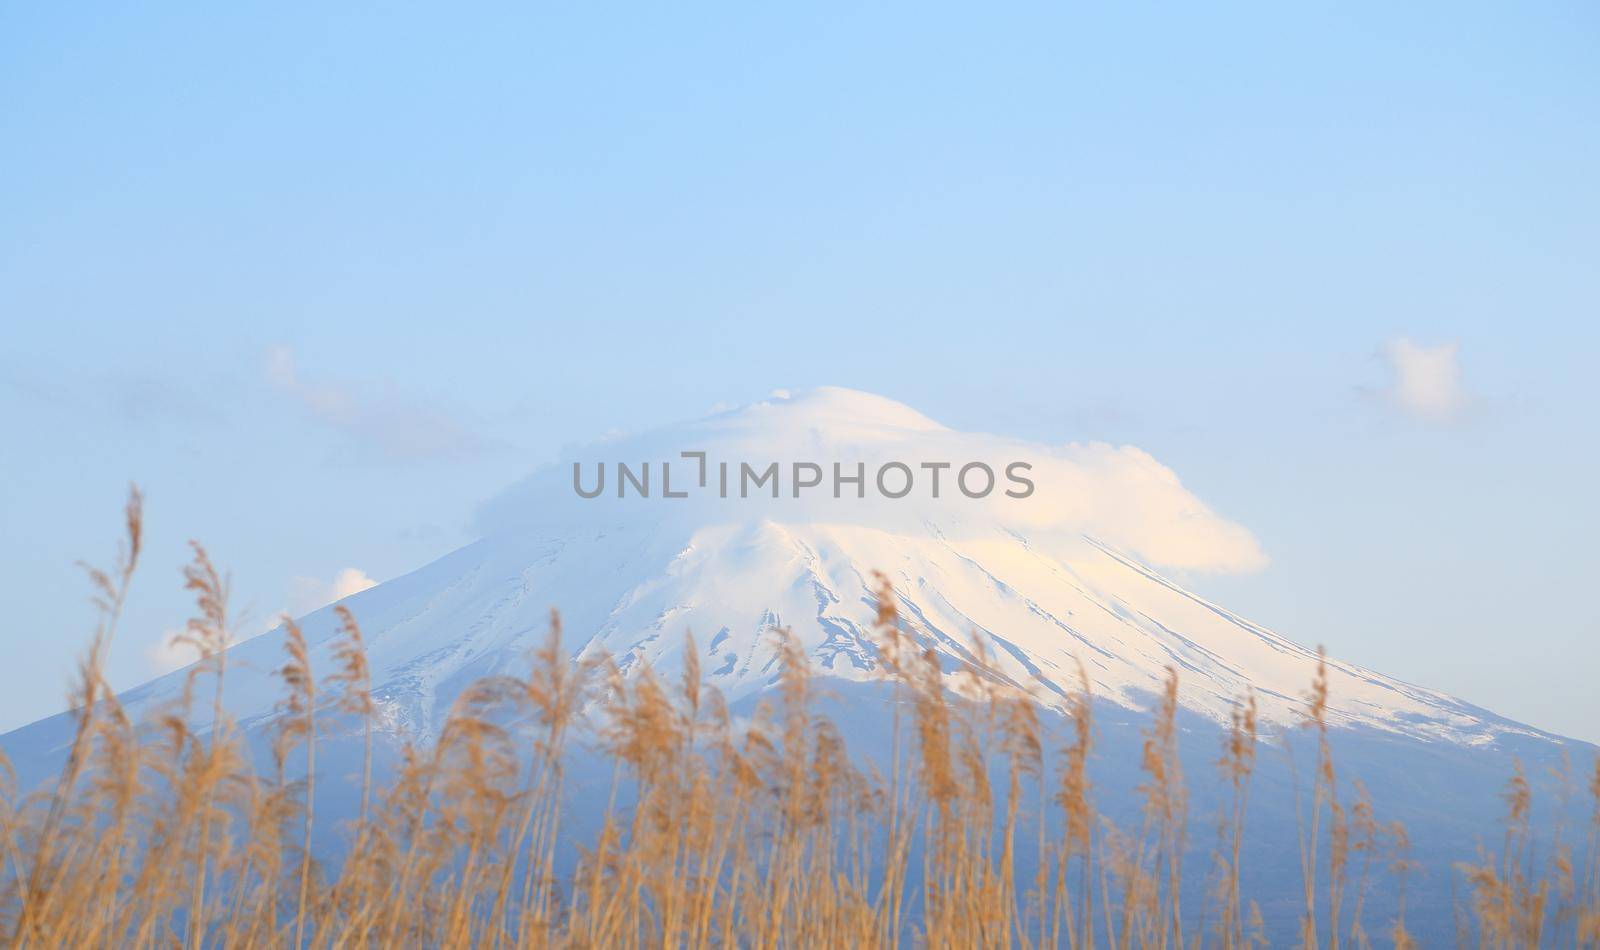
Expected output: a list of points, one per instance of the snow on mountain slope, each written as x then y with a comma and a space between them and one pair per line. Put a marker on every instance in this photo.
1047, 580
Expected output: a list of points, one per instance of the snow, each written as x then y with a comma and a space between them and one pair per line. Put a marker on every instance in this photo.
1047, 582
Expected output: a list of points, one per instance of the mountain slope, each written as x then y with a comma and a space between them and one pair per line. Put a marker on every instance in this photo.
1045, 581
1073, 572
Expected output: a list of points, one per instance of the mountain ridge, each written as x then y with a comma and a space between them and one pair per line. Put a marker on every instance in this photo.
1037, 580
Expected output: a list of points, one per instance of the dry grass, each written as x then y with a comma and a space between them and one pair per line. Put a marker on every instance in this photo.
761, 832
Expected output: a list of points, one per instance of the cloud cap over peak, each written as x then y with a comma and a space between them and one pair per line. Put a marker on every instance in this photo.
1118, 495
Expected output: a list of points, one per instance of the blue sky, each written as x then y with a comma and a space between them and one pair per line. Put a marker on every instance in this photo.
323, 280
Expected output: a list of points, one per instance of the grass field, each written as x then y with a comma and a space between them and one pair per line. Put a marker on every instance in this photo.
758, 832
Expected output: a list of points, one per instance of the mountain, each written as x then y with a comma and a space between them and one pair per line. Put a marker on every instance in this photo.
1044, 581
752, 519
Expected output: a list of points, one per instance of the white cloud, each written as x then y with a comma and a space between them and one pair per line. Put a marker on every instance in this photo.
167, 654
1118, 495
305, 595
384, 421
1426, 379
309, 593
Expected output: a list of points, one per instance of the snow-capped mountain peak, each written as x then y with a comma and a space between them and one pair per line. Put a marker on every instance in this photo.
778, 513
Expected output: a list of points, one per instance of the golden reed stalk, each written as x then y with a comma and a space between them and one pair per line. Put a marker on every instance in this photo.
762, 832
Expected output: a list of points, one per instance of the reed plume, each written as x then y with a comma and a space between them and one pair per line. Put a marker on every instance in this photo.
757, 829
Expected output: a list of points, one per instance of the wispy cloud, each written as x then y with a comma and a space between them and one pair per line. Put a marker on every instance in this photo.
121, 398
1425, 380
393, 426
